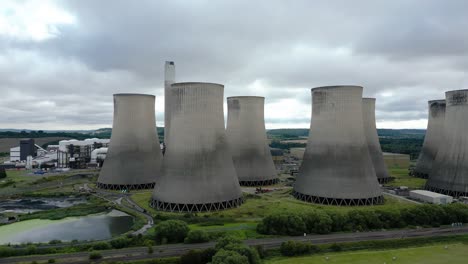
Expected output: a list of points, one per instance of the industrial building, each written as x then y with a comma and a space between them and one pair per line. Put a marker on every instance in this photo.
169, 79
430, 197
27, 147
433, 139
373, 144
77, 154
449, 174
198, 172
337, 168
134, 158
247, 139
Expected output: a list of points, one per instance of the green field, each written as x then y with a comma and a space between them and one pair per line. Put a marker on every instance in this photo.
403, 179
256, 207
454, 254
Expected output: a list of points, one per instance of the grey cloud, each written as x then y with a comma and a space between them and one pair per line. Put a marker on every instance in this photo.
413, 49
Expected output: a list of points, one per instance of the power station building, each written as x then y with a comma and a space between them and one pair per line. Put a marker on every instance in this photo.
248, 141
433, 139
449, 174
337, 168
134, 158
198, 172
373, 144
169, 79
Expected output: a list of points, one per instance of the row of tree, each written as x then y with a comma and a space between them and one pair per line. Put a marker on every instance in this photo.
326, 221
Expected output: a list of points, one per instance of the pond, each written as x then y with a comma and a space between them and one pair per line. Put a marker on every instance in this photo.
30, 205
91, 227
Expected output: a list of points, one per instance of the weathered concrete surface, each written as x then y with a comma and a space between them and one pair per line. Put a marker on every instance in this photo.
449, 174
337, 164
373, 144
433, 138
134, 156
198, 167
248, 141
169, 79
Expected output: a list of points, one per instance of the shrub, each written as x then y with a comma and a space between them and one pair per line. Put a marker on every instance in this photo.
51, 261
229, 257
297, 248
120, 242
243, 250
95, 255
101, 246
2, 173
223, 242
198, 256
197, 236
171, 231
150, 250
282, 224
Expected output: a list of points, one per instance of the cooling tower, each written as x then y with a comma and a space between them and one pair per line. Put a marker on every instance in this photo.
433, 138
373, 144
198, 173
134, 157
337, 168
169, 79
248, 142
449, 174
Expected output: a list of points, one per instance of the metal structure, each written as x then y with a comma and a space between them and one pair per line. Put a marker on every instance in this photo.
449, 174
134, 158
433, 138
373, 144
337, 168
248, 141
169, 79
198, 173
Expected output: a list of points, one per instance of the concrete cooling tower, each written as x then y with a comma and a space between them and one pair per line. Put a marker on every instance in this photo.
198, 173
248, 142
373, 144
169, 79
134, 157
449, 174
337, 168
433, 138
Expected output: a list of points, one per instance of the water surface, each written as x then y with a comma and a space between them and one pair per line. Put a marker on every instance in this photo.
92, 227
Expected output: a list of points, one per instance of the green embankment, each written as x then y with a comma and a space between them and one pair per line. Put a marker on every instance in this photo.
454, 253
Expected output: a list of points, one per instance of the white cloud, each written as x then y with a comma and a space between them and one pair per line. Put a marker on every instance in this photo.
36, 20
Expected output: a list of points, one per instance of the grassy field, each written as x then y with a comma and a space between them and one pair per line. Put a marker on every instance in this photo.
256, 207
20, 182
455, 253
403, 179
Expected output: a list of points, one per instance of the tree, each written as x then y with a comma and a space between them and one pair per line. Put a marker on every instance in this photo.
197, 236
171, 231
223, 242
2, 173
229, 257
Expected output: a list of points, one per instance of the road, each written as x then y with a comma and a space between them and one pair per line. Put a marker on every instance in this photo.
139, 253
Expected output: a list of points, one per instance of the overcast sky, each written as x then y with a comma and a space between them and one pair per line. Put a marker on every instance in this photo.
61, 61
